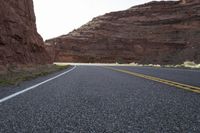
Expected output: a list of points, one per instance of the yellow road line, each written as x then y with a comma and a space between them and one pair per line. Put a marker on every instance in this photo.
164, 81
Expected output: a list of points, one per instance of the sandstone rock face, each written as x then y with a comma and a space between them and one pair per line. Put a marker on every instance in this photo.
156, 32
19, 41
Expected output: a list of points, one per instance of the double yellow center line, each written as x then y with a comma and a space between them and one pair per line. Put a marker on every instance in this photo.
164, 81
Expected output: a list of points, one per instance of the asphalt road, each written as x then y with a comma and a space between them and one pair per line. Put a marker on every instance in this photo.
93, 99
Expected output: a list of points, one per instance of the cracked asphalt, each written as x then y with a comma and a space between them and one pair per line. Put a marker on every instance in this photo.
92, 99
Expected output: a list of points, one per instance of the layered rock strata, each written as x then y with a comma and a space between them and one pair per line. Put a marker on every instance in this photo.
166, 32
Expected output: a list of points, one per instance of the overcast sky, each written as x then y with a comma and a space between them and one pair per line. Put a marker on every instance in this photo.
57, 17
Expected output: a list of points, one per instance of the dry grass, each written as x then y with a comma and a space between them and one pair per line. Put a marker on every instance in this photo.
186, 64
14, 75
149, 65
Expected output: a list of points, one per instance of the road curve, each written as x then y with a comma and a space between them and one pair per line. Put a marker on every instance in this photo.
95, 99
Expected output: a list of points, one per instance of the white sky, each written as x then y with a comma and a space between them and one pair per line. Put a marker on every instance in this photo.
58, 17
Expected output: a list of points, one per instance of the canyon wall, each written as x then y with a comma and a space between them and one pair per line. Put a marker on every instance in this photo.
165, 32
19, 41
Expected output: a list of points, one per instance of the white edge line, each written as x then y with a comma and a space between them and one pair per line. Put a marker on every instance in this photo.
34, 86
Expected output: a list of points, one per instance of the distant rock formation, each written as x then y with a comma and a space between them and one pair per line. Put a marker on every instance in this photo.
165, 32
19, 41
189, 1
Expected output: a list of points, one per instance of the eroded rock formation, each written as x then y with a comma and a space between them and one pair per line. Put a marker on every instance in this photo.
19, 41
156, 32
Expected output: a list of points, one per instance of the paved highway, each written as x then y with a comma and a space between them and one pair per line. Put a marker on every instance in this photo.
94, 99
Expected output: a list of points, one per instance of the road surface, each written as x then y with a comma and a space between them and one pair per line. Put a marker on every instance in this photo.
95, 99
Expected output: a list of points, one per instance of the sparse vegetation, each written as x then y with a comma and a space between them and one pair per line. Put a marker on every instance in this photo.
135, 64
153, 65
150, 65
186, 64
15, 75
120, 61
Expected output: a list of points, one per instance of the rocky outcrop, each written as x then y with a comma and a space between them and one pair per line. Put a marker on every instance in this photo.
189, 1
156, 32
19, 41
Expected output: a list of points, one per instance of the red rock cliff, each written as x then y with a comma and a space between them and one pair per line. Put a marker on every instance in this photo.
156, 32
19, 41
